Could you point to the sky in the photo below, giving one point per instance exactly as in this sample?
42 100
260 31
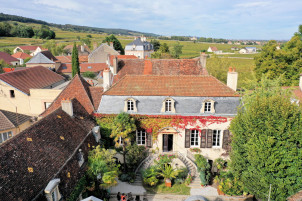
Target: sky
228 19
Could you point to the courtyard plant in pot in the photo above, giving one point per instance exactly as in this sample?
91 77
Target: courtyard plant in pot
168 173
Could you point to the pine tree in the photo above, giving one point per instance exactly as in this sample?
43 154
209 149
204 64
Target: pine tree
75 61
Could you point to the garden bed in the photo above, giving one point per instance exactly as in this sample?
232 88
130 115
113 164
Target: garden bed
177 189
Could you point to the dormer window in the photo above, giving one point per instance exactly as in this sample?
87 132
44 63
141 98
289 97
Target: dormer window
130 105
168 105
208 106
52 190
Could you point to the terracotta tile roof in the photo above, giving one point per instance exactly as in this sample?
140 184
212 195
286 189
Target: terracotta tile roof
93 67
159 67
53 141
21 55
11 119
64 59
295 197
121 57
7 58
214 48
8 69
68 59
81 90
29 47
171 85
31 78
297 92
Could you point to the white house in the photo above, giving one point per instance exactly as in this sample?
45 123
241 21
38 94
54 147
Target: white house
140 47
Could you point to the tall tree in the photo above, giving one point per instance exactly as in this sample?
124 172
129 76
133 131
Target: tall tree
116 43
267 142
156 44
75 61
177 50
124 124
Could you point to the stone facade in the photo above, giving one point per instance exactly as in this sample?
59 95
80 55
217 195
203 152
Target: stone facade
101 54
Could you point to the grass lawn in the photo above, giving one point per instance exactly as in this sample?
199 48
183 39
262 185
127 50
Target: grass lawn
178 189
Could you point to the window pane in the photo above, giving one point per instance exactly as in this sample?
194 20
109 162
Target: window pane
5 136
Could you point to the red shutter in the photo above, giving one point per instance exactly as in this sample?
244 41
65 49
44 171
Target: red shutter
203 140
187 138
209 138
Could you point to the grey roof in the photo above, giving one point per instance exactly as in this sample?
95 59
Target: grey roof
185 106
9 120
40 59
139 45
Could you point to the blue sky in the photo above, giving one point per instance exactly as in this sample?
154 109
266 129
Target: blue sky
230 19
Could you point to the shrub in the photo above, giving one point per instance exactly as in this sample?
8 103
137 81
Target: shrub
127 177
203 169
230 185
89 74
188 180
150 176
183 173
135 154
220 164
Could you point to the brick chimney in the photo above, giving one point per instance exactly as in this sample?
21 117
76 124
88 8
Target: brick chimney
203 59
232 78
106 79
115 65
67 106
300 82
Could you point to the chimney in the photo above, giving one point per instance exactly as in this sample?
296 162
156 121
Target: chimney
111 45
300 82
203 59
106 79
82 48
67 106
115 65
95 45
232 79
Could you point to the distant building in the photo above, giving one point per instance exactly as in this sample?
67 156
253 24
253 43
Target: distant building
251 49
8 59
32 49
140 47
243 51
214 50
21 56
234 48
45 59
83 50
101 53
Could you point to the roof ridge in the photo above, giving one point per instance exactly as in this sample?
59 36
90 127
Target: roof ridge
114 85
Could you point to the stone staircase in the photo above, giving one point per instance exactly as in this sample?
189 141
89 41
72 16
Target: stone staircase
144 165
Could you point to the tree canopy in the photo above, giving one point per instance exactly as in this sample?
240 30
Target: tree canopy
116 43
75 61
287 61
267 142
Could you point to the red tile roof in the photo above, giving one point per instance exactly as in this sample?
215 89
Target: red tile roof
159 67
92 67
80 89
21 55
29 47
214 48
171 85
121 57
297 92
31 78
68 59
7 58
51 153
8 69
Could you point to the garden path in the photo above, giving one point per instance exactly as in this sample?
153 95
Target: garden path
124 187
204 191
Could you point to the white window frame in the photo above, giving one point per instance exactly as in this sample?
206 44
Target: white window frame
126 104
168 106
130 105
217 140
139 137
194 134
8 133
207 106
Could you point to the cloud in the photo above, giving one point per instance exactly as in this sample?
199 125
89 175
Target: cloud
253 4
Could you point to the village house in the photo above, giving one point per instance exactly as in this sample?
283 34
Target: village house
243 51
140 48
8 59
214 50
101 53
83 50
12 123
205 102
29 91
21 56
96 68
45 161
251 50
31 49
45 59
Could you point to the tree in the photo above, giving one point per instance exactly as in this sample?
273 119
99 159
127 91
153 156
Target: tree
75 61
116 43
177 50
101 163
164 48
156 44
124 124
168 173
267 142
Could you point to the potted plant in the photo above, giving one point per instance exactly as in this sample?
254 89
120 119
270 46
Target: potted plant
168 173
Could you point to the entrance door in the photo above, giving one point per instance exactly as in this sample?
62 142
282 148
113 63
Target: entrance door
167 142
